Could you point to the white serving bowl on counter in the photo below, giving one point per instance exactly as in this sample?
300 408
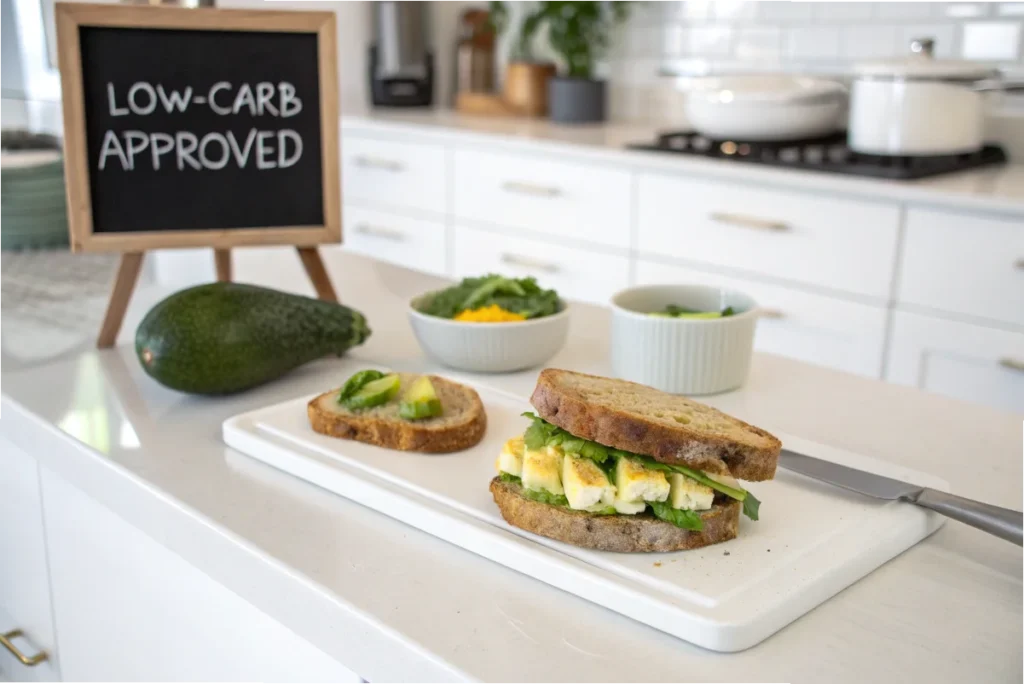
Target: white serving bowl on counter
489 347
681 355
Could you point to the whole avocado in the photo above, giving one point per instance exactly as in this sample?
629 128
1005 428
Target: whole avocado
228 337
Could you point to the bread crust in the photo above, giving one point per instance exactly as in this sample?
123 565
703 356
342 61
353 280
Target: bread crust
675 445
639 533
403 435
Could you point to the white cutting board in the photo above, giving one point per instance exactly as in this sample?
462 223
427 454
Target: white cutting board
811 542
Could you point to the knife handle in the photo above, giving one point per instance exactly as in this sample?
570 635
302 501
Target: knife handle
1002 522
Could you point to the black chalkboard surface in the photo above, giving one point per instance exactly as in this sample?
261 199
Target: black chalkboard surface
190 127
188 130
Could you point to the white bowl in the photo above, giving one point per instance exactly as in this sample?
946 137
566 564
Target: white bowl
680 355
490 347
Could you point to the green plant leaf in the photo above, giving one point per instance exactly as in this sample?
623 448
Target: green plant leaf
688 520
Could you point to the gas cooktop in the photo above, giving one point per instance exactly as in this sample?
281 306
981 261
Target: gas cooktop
830 154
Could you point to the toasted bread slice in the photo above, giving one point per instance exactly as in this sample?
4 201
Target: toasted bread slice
461 426
666 427
620 533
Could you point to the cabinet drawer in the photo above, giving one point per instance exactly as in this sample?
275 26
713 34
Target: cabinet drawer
844 335
409 242
960 360
24 577
579 201
399 174
842 244
965 264
576 273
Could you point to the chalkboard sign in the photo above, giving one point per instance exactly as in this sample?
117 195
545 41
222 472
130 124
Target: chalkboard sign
199 127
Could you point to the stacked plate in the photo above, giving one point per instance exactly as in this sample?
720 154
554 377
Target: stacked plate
33 208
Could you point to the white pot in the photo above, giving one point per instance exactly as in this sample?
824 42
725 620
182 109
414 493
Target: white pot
764 108
918 106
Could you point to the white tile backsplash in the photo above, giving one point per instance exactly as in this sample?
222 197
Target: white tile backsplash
868 42
784 10
702 37
812 43
989 40
757 43
735 10
713 41
843 11
903 10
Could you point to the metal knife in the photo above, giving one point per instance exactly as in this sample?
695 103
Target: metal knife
1002 522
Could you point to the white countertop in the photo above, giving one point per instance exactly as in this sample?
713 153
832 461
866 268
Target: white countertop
393 603
997 189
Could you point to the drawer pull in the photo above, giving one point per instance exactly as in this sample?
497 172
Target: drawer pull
748 221
1019 264
377 163
526 262
1012 364
380 231
770 313
531 189
27 661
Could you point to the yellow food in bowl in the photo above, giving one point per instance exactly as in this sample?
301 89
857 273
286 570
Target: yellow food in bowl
488 314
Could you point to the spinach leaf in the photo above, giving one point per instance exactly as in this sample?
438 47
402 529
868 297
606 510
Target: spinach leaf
523 296
688 520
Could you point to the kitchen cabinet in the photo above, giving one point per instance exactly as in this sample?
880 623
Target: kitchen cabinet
960 360
399 239
826 331
576 273
828 242
126 608
964 264
386 173
543 195
24 575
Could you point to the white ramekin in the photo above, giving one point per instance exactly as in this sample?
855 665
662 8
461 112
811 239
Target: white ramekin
490 347
679 355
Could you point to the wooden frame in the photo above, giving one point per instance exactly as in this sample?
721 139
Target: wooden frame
70 16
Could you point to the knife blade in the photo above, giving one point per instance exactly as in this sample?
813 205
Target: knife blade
855 480
1002 522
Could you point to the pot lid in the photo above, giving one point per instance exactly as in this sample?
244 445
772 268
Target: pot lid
764 89
922 65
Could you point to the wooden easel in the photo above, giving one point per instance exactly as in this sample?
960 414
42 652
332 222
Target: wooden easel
131 264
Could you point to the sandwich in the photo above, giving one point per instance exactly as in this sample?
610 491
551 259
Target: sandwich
617 466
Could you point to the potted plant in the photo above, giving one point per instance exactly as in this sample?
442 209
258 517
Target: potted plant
525 87
580 32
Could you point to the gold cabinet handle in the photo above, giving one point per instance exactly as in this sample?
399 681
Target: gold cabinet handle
1012 364
770 313
27 661
531 189
526 262
377 163
380 231
748 221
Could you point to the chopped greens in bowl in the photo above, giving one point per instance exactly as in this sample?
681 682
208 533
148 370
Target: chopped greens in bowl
520 298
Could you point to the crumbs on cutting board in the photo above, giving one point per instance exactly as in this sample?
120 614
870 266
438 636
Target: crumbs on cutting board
657 564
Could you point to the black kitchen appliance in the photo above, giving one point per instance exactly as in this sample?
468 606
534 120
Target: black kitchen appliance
829 154
401 67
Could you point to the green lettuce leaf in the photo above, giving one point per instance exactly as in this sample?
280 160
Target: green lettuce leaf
523 296
546 497
688 520
751 506
509 477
